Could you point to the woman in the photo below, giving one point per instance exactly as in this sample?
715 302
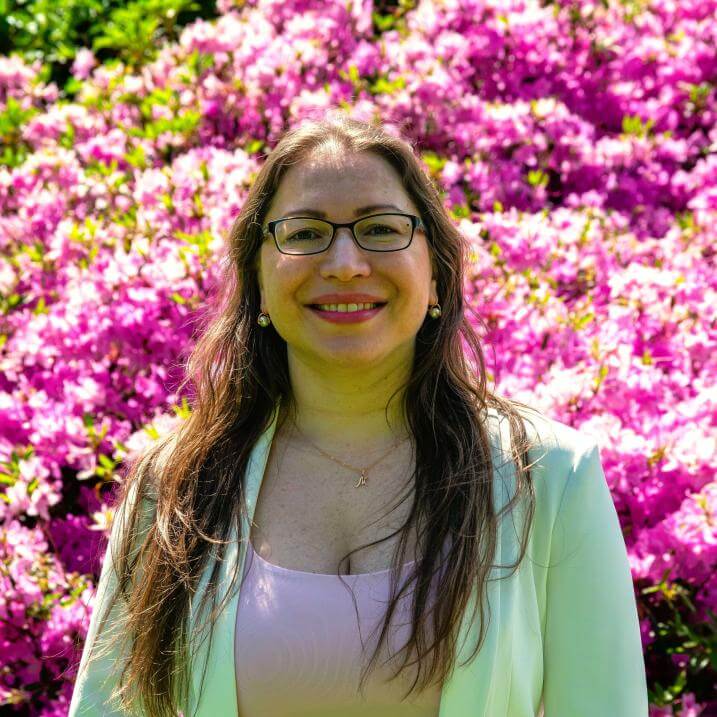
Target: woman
334 381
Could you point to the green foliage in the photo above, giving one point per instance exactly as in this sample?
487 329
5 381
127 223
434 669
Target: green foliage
698 95
196 64
633 125
136 157
134 31
390 15
10 470
255 145
49 30
54 30
387 87
536 177
12 149
695 641
184 411
96 437
181 120
434 162
198 244
185 124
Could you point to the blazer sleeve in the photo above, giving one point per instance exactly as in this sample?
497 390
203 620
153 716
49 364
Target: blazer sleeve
593 661
95 681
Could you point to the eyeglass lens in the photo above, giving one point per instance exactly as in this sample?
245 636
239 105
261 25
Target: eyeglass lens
382 232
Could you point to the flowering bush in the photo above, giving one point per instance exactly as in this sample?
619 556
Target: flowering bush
577 145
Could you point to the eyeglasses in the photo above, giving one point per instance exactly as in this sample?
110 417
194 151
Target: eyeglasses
378 232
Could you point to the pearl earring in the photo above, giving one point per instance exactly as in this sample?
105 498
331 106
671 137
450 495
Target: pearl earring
263 320
435 311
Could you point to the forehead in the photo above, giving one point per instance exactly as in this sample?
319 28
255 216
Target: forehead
339 185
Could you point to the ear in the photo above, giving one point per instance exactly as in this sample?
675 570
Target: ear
433 292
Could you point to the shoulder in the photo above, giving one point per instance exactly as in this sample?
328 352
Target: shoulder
551 441
555 450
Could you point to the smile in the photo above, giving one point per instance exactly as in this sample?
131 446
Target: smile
346 313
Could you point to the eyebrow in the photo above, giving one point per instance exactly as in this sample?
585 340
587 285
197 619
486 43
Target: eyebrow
307 211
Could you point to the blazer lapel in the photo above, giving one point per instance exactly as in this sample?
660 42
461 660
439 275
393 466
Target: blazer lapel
218 694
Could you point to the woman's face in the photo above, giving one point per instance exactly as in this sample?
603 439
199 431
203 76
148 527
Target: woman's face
290 283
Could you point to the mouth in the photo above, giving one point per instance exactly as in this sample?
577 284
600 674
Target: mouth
347 308
346 313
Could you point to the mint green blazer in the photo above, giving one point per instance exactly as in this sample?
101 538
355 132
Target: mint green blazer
562 641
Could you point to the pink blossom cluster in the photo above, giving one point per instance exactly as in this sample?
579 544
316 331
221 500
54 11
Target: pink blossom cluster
576 145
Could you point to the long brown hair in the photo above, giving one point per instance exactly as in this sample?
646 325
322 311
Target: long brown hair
188 484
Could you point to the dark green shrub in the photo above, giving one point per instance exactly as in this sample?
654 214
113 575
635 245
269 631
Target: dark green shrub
54 30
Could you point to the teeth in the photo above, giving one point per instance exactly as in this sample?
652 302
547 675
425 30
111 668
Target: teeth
346 307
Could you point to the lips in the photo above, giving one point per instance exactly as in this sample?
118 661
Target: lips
347 317
325 303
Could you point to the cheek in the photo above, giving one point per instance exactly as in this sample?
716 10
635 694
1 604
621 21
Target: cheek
413 280
283 284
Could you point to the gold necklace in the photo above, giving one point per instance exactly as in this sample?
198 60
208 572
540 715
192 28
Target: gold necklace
363 471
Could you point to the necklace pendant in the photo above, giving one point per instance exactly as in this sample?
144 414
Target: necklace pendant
361 481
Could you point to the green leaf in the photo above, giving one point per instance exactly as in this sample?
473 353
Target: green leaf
634 126
106 462
383 86
461 211
152 432
73 86
184 410
67 138
433 161
137 157
14 300
120 447
582 321
536 177
40 307
383 22
255 145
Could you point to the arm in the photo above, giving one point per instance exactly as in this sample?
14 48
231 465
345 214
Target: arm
593 662
94 684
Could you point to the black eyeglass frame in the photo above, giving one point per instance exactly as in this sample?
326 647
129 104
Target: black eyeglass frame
416 223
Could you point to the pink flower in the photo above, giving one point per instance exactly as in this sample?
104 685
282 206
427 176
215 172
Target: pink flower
84 62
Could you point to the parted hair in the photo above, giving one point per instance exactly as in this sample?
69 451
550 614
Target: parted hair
188 488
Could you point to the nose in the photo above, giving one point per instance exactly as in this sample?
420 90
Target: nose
345 258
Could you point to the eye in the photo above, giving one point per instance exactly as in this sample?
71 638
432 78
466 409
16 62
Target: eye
388 229
297 234
384 226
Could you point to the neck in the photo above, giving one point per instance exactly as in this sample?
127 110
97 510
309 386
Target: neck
347 412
